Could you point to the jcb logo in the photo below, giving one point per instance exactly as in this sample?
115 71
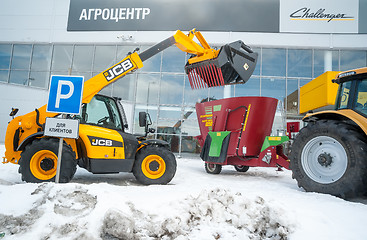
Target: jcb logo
118 69
101 142
104 142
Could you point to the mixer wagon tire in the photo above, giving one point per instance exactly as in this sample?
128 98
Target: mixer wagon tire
38 162
154 165
328 156
213 168
240 168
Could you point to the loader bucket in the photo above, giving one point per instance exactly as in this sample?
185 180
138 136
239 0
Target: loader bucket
235 63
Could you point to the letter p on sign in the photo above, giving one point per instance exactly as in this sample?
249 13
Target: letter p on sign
65 94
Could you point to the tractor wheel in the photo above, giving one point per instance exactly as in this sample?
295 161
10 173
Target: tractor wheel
328 156
213 168
38 162
240 168
154 165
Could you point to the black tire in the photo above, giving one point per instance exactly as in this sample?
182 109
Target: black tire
240 168
38 162
213 168
328 156
154 165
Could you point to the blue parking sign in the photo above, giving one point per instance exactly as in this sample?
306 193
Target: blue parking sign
65 94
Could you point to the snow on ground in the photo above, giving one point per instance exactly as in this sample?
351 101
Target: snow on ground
260 204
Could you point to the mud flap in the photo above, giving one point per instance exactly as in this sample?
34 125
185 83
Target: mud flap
216 147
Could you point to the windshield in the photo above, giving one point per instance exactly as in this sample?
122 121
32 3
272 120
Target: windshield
102 111
353 95
361 97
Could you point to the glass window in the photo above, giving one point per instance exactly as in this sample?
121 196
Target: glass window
217 92
171 89
273 87
192 96
152 110
147 88
361 104
83 56
86 75
41 58
170 113
273 62
319 61
343 97
21 56
62 56
173 60
123 51
292 96
4 74
153 64
124 87
104 57
190 144
299 63
102 111
258 64
39 79
251 88
190 126
5 54
352 59
19 77
106 91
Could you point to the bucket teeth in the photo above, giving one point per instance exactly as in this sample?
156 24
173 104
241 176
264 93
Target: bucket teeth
204 76
234 64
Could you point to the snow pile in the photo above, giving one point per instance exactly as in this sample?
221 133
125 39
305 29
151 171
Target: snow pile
54 214
215 214
70 212
259 204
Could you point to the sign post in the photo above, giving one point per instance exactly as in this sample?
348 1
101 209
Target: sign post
65 97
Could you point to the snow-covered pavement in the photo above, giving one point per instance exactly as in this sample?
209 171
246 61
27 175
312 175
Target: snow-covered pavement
260 204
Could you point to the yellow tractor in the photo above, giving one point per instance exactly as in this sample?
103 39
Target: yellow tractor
103 145
329 155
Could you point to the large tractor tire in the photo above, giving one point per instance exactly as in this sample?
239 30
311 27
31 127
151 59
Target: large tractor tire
154 165
329 156
38 162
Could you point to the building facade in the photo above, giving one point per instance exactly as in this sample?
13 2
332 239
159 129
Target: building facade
296 42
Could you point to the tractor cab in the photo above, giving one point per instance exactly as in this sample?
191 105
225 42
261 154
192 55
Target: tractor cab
352 93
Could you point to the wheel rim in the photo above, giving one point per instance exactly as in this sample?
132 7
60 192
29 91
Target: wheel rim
211 167
153 166
324 159
43 165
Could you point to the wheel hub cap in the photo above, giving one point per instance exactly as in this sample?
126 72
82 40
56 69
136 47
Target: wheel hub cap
324 159
154 166
47 164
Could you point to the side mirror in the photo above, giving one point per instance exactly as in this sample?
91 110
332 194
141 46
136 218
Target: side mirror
142 119
13 112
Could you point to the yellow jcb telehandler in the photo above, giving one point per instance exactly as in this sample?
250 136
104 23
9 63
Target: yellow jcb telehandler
103 145
329 155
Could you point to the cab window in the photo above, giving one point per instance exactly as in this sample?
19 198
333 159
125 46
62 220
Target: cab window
361 97
102 111
344 95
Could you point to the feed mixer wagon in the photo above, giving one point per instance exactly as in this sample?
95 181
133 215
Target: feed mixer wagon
235 131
